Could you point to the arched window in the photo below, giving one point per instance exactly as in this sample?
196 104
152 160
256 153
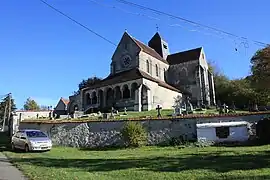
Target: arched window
147 66
156 70
164 70
126 92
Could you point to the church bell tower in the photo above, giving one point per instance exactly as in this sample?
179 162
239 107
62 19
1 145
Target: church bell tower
159 45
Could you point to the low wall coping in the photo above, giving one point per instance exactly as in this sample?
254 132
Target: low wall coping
192 116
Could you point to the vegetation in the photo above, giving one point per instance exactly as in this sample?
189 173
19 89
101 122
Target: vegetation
31 104
87 83
253 89
133 134
147 163
3 106
261 69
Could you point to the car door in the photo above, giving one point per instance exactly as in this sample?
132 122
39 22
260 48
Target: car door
23 140
16 139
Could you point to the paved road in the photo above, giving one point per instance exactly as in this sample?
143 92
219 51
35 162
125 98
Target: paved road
8 171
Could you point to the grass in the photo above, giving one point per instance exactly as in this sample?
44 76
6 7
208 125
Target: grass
146 163
151 113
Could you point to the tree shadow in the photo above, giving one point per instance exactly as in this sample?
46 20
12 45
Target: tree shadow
214 162
106 148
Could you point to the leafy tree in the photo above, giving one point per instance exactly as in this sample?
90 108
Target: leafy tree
31 104
3 105
237 91
260 69
87 83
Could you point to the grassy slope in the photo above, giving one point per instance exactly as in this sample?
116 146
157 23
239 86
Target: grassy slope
153 113
147 163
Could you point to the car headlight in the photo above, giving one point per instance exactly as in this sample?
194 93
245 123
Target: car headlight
33 142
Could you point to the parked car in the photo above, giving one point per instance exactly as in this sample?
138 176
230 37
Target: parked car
31 140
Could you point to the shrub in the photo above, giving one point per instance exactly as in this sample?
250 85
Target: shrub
134 135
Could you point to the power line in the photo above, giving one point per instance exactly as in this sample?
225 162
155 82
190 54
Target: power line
236 42
188 21
87 28
80 24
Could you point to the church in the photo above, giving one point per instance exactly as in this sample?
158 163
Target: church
144 76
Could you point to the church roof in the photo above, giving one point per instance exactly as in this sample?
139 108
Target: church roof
65 101
129 75
149 50
185 56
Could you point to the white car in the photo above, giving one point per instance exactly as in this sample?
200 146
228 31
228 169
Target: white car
31 140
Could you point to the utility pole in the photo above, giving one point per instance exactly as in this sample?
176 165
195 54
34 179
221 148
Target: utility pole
10 124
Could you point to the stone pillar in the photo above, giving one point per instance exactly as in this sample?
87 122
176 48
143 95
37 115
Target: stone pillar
207 88
213 90
104 98
199 86
149 99
81 105
138 99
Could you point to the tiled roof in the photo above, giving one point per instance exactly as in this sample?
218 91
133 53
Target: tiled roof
149 50
185 56
65 101
129 75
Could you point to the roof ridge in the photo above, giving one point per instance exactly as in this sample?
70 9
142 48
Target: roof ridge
188 50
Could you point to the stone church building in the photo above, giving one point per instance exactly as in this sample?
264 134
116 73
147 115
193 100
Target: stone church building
143 76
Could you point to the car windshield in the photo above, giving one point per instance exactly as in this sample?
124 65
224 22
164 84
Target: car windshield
35 134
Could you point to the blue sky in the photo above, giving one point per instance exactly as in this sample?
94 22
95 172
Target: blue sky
44 55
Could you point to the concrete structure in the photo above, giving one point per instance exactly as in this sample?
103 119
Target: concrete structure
21 115
61 107
223 132
143 76
107 133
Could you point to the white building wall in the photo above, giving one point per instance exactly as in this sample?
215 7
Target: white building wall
160 95
144 57
31 114
239 133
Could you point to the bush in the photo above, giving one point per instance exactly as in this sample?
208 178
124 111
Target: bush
134 134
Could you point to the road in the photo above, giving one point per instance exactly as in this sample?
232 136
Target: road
8 171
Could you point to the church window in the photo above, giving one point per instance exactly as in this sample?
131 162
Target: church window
148 66
126 92
202 56
164 73
156 70
125 45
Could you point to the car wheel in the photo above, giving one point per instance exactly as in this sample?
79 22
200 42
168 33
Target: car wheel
26 148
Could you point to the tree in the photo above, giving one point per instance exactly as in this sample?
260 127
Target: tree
31 104
260 69
87 83
237 91
3 105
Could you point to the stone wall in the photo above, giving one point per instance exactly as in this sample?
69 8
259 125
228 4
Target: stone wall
94 134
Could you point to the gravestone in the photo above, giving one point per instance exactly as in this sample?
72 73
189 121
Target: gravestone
189 107
158 108
112 110
105 116
125 111
177 111
222 109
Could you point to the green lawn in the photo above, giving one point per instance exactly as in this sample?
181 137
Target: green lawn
151 113
147 163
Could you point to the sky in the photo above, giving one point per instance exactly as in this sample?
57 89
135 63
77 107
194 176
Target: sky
45 56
